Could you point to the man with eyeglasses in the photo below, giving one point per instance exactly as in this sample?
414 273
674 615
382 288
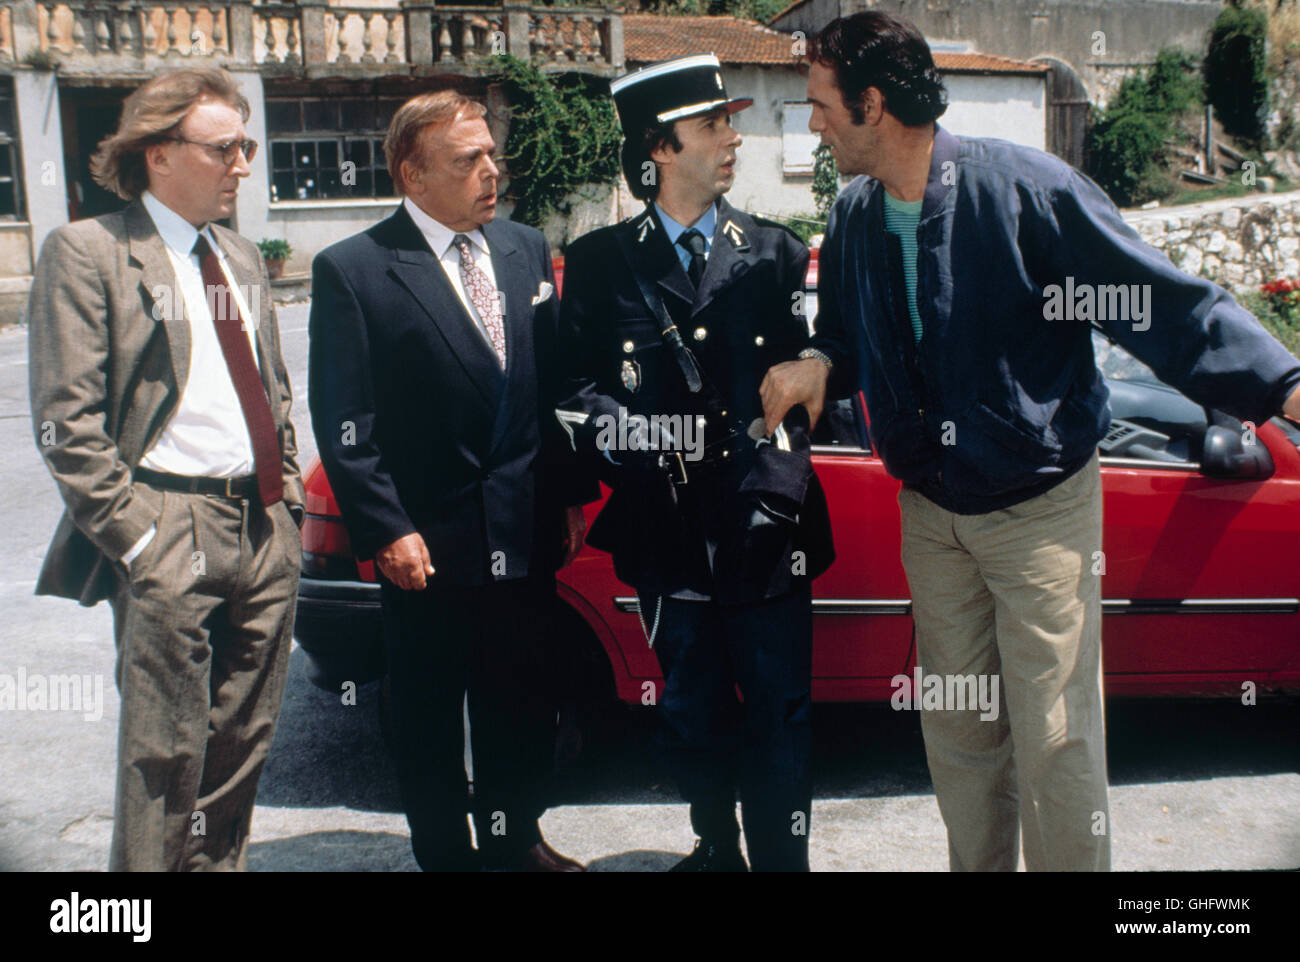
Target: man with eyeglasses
161 404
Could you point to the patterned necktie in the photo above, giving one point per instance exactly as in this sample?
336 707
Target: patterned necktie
484 295
267 460
693 241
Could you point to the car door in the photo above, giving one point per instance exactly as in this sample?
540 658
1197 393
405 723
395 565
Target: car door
862 625
1199 581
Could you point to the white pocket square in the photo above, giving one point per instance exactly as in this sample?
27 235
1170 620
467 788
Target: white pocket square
544 292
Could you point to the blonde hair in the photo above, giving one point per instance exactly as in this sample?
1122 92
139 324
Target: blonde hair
403 139
149 116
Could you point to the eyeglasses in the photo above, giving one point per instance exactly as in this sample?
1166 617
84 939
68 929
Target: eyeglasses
229 151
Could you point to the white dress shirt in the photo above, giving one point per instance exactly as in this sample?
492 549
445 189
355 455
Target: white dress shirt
206 435
439 237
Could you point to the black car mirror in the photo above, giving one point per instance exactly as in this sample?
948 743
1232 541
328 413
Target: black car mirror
1225 454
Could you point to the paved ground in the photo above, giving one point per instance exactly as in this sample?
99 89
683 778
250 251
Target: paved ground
1196 785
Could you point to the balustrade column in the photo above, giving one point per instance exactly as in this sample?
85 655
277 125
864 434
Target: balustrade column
312 26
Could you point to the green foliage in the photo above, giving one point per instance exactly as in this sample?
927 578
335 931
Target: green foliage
826 180
275 249
1278 311
1126 144
1236 71
761 10
806 226
563 134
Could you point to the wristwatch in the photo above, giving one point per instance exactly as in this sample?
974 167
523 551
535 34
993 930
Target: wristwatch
808 352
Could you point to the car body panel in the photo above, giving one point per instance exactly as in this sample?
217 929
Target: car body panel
1200 579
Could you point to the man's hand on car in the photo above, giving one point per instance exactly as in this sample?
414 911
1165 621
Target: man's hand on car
406 562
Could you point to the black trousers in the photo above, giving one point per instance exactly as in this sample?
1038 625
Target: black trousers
715 744
492 641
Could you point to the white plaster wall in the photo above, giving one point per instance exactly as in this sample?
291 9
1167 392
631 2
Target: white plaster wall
40 139
1012 108
761 187
312 225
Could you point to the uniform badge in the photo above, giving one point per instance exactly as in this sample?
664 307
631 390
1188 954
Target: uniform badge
735 235
631 375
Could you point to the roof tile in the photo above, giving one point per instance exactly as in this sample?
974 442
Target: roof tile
648 38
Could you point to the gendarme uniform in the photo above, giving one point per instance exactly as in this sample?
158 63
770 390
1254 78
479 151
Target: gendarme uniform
720 530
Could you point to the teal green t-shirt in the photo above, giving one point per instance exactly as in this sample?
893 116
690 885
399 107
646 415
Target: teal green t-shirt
901 218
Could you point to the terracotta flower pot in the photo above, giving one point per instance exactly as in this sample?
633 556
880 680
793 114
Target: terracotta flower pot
275 267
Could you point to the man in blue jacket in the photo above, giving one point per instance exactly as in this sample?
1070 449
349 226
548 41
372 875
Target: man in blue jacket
940 288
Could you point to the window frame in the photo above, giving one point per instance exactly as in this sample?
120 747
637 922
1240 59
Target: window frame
9 142
375 170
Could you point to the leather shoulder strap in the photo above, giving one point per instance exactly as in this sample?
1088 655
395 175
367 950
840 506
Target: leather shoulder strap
667 329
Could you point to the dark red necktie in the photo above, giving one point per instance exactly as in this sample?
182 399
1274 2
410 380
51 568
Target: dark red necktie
267 460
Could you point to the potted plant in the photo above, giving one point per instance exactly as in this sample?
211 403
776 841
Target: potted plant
275 251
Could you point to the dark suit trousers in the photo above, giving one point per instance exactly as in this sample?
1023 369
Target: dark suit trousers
204 625
491 641
715 744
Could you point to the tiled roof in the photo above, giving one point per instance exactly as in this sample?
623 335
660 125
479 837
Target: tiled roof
648 38
984 63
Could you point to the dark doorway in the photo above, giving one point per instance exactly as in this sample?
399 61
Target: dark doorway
89 114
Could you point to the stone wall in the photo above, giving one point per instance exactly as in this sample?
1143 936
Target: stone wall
1238 243
1103 40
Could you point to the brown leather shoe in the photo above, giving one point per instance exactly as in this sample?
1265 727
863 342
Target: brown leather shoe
542 858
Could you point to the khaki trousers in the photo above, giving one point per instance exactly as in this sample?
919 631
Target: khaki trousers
203 623
1014 593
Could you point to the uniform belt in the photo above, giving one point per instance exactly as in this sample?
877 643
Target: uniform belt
243 487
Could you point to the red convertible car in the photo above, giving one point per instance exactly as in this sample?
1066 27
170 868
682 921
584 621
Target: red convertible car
1200 567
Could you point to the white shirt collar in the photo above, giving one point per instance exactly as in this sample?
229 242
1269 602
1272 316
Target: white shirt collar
176 232
437 234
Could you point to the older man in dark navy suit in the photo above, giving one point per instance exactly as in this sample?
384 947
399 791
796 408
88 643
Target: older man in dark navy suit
431 350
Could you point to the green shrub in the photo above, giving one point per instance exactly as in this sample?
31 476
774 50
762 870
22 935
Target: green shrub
563 135
826 180
1126 145
1278 311
806 226
275 249
1236 70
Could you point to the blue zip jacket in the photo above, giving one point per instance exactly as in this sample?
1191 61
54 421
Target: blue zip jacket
1017 252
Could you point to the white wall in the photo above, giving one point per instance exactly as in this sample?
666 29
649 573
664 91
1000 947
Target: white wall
40 145
761 187
1013 108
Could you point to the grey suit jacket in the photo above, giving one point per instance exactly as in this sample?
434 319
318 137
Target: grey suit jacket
109 354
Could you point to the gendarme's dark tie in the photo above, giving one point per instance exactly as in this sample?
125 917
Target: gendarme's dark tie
267 459
693 241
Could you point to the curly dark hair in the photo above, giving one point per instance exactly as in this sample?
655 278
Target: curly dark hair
875 49
636 154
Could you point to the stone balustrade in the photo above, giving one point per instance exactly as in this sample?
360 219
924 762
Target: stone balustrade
100 36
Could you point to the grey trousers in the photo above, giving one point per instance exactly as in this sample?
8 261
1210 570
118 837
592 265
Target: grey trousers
1016 593
203 623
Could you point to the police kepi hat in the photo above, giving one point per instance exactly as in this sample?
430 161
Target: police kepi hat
670 90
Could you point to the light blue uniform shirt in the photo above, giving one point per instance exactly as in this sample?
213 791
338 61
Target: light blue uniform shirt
705 225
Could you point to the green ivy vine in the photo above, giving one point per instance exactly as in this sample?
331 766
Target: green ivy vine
563 134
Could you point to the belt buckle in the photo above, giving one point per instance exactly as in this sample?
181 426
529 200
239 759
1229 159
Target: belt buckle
229 493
